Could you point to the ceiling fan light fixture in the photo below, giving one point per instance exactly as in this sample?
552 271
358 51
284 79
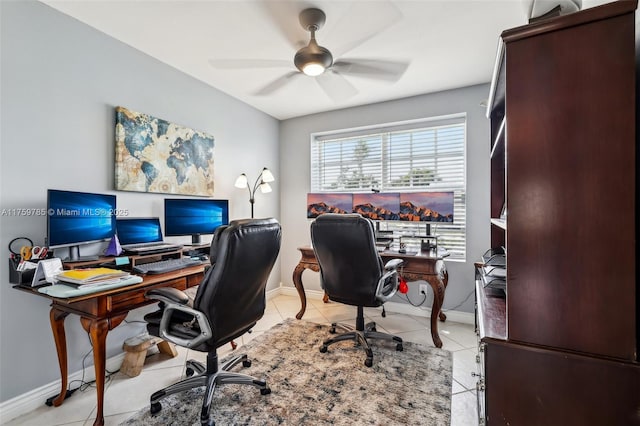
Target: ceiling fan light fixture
313 59
313 69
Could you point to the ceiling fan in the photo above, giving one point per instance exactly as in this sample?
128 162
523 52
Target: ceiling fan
316 61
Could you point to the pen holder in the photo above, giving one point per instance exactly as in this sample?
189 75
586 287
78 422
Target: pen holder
19 277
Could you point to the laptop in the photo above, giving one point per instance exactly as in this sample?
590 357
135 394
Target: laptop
142 236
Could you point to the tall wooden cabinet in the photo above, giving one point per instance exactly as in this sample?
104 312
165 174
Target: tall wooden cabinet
561 346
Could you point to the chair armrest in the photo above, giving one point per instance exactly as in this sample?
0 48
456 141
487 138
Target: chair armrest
387 286
393 264
205 329
176 300
168 295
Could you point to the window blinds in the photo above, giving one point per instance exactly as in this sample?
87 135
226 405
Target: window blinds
424 155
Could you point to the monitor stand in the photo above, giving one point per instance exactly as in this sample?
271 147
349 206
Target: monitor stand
74 255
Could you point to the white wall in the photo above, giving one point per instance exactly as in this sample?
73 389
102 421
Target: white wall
295 173
60 82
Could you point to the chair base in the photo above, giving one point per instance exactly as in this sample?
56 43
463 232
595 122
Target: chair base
210 376
359 334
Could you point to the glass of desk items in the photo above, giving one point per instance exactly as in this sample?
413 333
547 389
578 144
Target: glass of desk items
494 269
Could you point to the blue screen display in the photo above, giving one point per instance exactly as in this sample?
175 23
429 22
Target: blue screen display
79 217
139 230
194 216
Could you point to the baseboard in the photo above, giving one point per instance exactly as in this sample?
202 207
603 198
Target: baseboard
399 308
29 401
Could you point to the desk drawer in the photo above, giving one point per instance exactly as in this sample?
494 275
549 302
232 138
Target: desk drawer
135 298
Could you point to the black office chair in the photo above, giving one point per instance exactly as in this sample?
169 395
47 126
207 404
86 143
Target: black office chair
351 272
228 303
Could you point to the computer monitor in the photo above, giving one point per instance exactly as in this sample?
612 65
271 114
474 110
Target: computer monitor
77 218
194 217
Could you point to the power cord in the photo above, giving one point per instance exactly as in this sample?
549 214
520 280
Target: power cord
83 385
461 303
424 299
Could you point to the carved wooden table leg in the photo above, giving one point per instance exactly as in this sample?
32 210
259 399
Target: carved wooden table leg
57 318
438 297
297 281
98 330
445 281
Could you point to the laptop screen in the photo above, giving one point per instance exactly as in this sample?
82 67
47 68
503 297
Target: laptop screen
138 230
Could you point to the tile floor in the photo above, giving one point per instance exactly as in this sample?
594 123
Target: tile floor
124 395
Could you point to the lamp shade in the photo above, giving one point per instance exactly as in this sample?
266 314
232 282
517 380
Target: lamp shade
267 176
242 181
265 187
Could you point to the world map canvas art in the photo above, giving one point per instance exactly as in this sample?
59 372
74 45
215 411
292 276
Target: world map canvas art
154 155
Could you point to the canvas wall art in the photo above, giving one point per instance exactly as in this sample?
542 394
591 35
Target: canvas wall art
154 155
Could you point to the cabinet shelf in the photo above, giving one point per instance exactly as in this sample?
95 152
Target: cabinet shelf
500 223
492 312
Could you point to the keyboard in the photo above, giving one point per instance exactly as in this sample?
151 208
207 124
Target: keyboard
167 265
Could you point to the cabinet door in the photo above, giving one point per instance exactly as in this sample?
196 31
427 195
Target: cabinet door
533 386
571 188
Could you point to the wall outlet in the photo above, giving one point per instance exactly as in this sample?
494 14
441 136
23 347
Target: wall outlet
423 289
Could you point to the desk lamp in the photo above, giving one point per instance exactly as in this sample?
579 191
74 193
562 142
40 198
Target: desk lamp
262 181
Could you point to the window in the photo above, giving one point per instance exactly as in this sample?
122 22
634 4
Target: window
420 155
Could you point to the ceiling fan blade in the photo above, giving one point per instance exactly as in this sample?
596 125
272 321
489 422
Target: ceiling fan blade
249 63
285 15
336 86
373 68
373 18
277 84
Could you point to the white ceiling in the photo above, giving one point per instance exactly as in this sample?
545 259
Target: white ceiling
449 43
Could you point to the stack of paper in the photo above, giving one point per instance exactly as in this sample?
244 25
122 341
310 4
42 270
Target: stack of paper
82 278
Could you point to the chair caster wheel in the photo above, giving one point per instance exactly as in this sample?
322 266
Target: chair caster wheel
246 363
399 347
189 372
332 330
374 329
265 391
323 348
368 362
155 408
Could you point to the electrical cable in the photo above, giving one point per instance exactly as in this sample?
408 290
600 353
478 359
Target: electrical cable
424 299
461 303
83 385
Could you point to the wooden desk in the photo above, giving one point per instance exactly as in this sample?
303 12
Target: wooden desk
103 311
416 267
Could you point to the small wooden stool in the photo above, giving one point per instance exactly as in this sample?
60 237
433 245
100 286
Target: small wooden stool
136 351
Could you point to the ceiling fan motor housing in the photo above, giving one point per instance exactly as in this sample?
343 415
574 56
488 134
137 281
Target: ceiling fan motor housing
312 59
312 54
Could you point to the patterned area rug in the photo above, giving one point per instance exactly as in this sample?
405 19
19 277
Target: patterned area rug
412 387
